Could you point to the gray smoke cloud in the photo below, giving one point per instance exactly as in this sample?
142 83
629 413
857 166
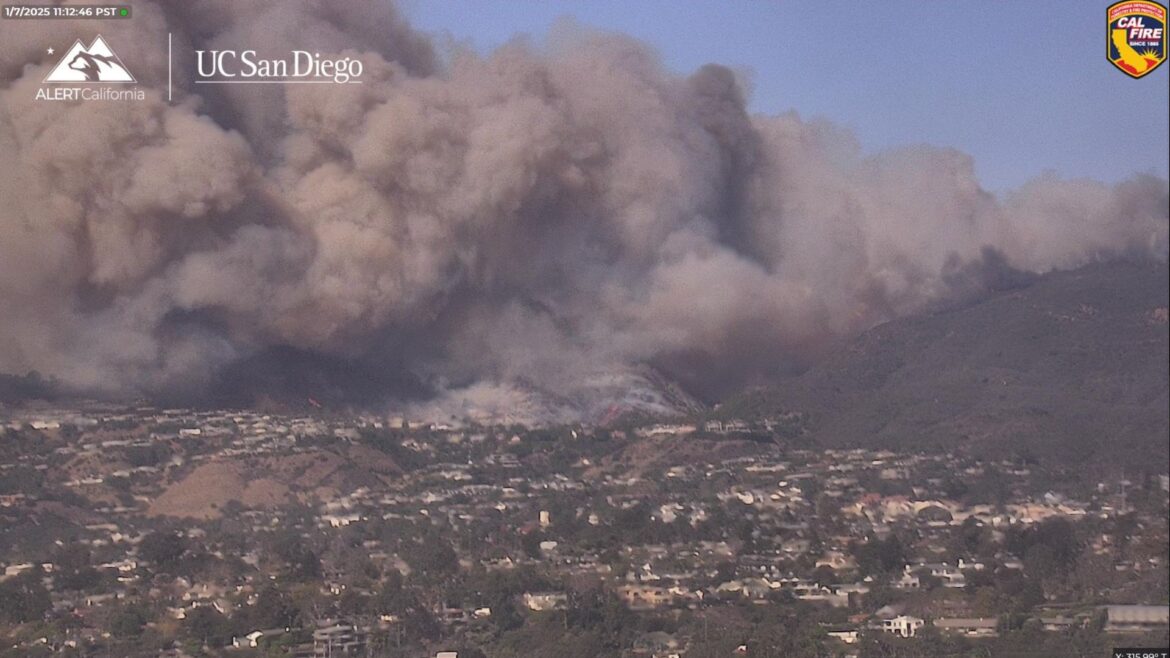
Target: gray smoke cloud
541 214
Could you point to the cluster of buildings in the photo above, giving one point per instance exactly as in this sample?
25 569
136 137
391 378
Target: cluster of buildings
743 523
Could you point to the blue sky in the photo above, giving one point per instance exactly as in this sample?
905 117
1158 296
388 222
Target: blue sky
1022 86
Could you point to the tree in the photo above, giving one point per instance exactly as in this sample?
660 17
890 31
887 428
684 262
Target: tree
780 633
84 579
972 539
879 555
127 622
273 609
602 612
73 570
435 558
353 602
303 563
205 624
825 575
72 557
530 542
162 549
420 624
24 598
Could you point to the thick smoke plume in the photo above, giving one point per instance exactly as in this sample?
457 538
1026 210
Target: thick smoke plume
542 215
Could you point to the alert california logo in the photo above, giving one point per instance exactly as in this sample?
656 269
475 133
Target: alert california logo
92 73
1136 36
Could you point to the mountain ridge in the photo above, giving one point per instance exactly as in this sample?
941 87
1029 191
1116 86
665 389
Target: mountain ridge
1070 367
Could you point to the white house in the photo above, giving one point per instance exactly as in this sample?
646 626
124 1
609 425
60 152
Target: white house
543 601
903 625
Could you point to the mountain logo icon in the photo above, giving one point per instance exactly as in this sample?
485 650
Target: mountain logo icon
97 63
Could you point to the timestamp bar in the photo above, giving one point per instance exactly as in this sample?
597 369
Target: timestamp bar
66 11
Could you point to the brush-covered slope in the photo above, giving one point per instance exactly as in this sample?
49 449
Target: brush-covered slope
1071 367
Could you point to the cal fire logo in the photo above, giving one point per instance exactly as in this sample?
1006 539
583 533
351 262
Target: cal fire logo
1137 36
98 63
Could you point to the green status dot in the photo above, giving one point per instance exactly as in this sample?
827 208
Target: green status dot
123 12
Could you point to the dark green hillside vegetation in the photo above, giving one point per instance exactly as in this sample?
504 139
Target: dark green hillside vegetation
1070 368
31 386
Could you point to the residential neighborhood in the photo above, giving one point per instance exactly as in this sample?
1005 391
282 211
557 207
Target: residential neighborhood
177 532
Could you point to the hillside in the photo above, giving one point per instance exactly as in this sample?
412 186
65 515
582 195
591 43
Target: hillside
270 481
17 389
1072 367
